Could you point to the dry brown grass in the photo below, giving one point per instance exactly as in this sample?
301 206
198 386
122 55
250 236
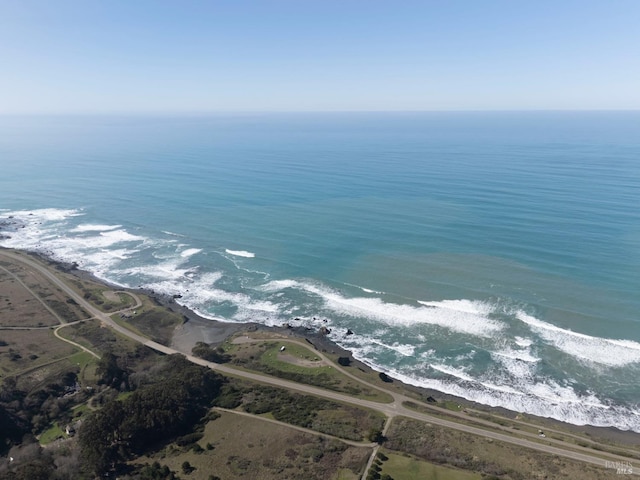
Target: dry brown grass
250 448
473 453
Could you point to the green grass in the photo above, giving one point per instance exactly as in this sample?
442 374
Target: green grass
402 467
345 474
82 359
264 357
270 358
51 434
244 447
123 323
81 410
124 395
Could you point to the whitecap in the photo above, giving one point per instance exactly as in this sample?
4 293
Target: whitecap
45 214
240 253
173 234
396 314
521 355
88 227
189 252
604 351
474 307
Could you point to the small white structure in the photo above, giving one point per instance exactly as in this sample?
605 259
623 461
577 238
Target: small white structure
282 348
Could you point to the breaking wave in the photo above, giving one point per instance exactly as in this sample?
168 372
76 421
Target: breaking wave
483 351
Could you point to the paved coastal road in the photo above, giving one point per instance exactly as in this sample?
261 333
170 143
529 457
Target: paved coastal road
390 409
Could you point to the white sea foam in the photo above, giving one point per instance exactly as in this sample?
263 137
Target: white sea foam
89 227
44 214
533 395
523 342
173 234
396 314
452 371
240 253
403 349
367 290
604 351
277 285
513 354
512 380
473 307
189 252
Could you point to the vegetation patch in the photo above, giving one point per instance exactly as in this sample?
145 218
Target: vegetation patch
23 351
267 358
157 323
407 467
306 411
469 452
236 447
162 411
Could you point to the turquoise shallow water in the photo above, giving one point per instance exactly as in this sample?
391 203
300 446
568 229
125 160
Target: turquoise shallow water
494 256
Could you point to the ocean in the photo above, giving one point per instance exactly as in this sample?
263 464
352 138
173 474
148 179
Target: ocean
493 256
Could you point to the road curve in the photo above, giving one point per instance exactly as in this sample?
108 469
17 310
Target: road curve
391 410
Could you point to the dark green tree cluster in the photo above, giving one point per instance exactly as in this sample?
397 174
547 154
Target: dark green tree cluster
11 430
155 471
29 462
155 413
33 409
288 407
110 372
207 352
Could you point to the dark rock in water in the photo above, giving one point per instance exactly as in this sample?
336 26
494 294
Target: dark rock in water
324 331
297 319
287 325
349 332
177 295
430 399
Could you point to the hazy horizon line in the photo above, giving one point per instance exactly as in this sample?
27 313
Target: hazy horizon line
266 112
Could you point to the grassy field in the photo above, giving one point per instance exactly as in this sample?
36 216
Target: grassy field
300 364
476 454
406 467
152 320
18 306
52 433
325 416
236 447
23 351
518 428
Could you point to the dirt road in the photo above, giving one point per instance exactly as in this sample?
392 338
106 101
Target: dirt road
393 409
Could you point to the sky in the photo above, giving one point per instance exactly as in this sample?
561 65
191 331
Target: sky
157 56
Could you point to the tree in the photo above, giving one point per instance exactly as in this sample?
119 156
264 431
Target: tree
187 468
156 472
375 435
101 439
154 413
110 372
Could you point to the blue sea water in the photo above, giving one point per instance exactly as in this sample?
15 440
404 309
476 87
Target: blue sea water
495 256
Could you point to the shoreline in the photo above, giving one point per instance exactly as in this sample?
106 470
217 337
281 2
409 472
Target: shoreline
198 328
